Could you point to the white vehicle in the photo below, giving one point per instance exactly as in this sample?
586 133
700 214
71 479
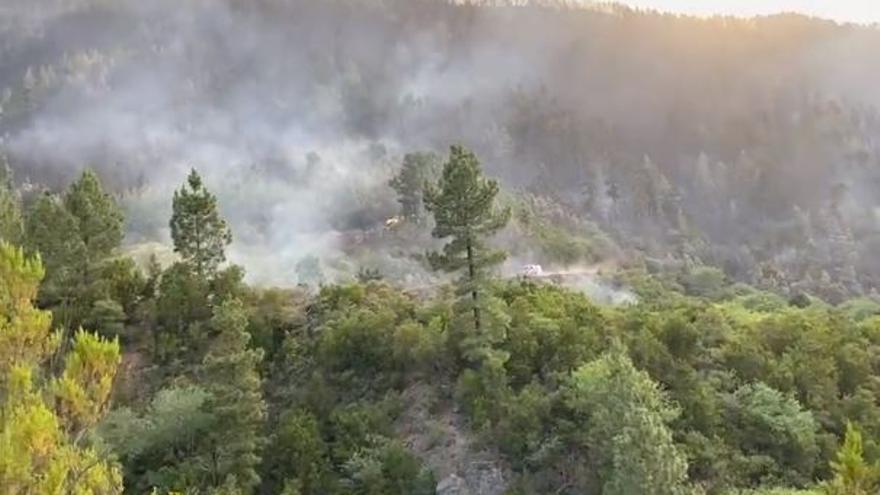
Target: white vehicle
532 271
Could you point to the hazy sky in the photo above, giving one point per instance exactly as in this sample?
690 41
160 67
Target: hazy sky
862 11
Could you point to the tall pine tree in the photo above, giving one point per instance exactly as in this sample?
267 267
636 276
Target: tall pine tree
99 219
52 232
199 233
230 375
463 205
100 225
76 235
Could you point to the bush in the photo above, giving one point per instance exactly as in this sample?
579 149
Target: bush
704 281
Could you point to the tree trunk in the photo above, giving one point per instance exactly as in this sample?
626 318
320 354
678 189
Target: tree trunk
472 275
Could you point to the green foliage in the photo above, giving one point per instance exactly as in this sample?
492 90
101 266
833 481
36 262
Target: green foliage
557 237
562 247
182 302
704 281
77 234
125 283
228 284
522 426
852 475
550 331
626 421
82 392
11 221
52 231
353 426
297 456
373 336
771 425
230 375
159 445
274 313
44 420
107 317
25 338
761 302
699 385
773 491
199 233
417 170
385 467
99 220
860 309
463 205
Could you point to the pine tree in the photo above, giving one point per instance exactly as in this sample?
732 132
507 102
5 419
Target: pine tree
24 330
199 233
852 475
463 205
43 448
52 232
11 223
183 300
230 375
99 225
75 235
298 456
99 219
409 183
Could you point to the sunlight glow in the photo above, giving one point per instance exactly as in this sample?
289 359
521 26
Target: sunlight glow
859 11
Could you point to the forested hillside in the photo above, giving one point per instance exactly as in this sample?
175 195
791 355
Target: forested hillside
746 144
277 247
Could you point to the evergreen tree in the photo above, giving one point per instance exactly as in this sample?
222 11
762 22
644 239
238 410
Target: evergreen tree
11 223
298 456
76 235
627 419
230 375
43 447
199 233
24 330
463 205
417 170
773 427
99 224
852 475
99 219
183 300
52 232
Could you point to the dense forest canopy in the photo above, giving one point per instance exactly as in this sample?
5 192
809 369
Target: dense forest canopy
355 247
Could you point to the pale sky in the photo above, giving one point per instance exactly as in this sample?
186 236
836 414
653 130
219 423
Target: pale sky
861 11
